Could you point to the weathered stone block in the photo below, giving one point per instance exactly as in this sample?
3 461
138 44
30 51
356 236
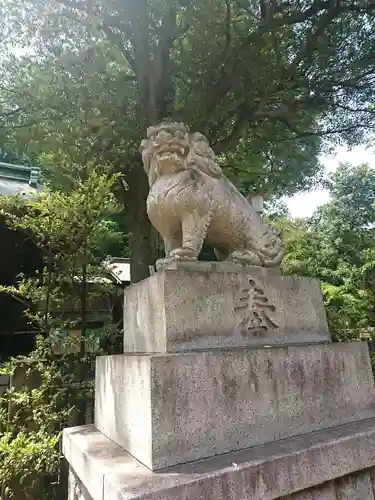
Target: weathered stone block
76 489
204 305
355 487
310 465
352 487
325 491
174 408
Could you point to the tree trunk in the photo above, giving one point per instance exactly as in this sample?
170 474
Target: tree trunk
143 243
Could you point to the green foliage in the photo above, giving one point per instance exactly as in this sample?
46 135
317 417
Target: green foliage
24 458
90 78
30 434
61 221
73 231
266 82
337 246
46 399
348 310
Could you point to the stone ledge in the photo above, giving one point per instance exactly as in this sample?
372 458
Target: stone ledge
169 409
267 472
203 305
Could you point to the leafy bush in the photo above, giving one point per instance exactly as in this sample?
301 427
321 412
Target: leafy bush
33 414
25 458
72 232
348 311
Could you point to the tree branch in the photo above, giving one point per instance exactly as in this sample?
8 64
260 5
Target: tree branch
238 130
246 115
139 20
230 73
322 133
297 105
168 33
14 127
108 24
362 9
263 9
12 113
227 28
116 39
354 110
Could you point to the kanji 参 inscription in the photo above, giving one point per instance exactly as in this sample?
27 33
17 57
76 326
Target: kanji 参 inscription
253 309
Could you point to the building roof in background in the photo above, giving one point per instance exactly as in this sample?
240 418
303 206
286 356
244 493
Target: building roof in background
118 268
19 179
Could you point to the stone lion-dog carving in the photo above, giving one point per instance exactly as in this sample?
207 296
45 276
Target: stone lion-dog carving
191 200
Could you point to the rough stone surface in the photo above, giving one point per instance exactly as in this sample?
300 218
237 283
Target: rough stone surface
123 402
175 408
191 200
76 489
202 305
325 491
353 487
267 472
356 486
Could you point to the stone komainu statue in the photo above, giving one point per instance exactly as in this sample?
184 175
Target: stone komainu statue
191 200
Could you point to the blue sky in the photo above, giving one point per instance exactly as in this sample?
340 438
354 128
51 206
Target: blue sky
304 204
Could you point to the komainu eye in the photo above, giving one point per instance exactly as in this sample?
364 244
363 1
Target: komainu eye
164 135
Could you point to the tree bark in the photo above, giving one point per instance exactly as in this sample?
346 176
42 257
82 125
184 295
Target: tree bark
143 242
153 78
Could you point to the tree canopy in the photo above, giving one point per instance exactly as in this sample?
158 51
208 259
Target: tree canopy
337 246
266 82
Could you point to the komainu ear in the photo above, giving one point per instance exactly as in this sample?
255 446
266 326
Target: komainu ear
146 151
203 157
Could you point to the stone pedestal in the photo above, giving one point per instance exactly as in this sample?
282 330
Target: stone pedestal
240 395
177 408
203 305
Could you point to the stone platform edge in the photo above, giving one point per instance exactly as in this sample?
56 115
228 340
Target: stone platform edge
218 305
269 471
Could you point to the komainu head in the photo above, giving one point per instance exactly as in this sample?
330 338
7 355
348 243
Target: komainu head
191 201
170 148
165 150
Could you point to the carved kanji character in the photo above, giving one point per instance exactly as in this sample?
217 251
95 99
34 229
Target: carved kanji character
254 306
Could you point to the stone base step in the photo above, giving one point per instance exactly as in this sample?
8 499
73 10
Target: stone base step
100 470
207 305
169 409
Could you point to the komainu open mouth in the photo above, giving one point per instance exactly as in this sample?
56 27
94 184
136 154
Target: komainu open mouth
167 148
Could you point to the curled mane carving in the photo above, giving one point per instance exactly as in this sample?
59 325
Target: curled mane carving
191 200
202 157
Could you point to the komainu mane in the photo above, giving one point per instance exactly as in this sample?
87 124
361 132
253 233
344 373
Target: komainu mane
191 200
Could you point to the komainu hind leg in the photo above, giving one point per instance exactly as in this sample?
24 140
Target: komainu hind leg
194 229
245 258
170 243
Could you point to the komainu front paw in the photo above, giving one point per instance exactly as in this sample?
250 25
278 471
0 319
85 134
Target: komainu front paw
245 258
162 263
176 255
183 253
